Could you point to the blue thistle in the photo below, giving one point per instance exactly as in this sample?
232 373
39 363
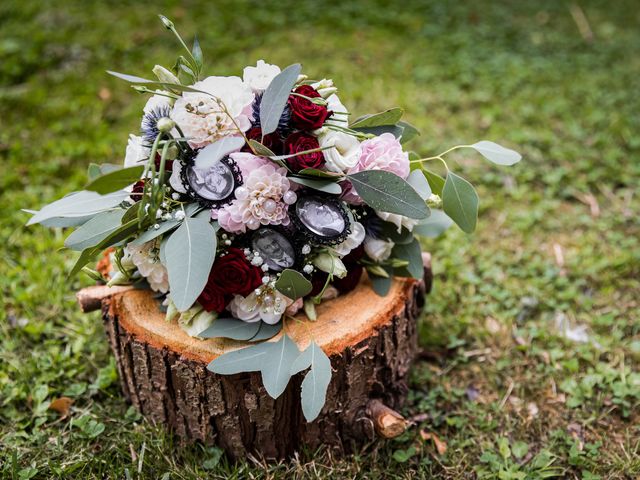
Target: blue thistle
285 118
149 125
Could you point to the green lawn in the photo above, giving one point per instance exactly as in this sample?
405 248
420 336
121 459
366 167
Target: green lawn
532 333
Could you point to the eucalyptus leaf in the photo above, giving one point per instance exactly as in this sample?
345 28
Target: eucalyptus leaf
190 253
65 222
433 226
266 331
214 152
316 381
327 186
420 183
409 132
496 153
249 359
388 117
231 328
436 182
94 170
310 309
412 253
387 192
78 204
274 98
314 172
381 285
394 130
115 180
152 232
154 84
460 202
260 149
276 365
293 284
95 230
196 53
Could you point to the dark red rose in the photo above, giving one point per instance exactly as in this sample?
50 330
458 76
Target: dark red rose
231 275
212 299
273 141
306 115
168 164
137 190
351 279
317 283
299 142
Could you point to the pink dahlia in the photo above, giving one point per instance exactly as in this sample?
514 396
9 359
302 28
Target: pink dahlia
263 199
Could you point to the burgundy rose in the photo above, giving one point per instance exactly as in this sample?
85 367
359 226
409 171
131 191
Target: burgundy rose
306 115
299 142
168 164
350 280
137 190
273 141
231 275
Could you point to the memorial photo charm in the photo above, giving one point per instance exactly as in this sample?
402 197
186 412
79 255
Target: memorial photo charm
324 220
211 184
274 248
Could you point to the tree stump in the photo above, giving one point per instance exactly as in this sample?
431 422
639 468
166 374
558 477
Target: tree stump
370 340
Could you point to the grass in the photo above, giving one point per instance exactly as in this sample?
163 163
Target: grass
531 337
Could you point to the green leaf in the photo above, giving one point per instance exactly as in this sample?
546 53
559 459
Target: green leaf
214 152
433 226
95 230
436 182
85 257
381 285
116 180
394 130
419 183
275 97
190 252
249 359
460 202
78 204
231 328
519 449
503 448
316 381
293 284
387 192
153 84
152 233
388 117
310 309
496 153
196 52
313 172
276 365
409 132
94 170
412 253
260 149
327 186
266 332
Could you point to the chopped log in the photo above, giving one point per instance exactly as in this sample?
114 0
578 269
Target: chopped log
370 340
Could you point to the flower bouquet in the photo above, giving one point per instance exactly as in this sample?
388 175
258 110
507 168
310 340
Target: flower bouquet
245 200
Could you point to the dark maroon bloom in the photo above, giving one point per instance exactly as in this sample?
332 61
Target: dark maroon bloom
231 275
168 164
300 142
306 115
137 190
273 141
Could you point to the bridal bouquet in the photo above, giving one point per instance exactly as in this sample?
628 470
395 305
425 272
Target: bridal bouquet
244 200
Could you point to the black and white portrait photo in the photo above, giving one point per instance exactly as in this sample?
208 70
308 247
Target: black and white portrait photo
214 183
321 217
274 248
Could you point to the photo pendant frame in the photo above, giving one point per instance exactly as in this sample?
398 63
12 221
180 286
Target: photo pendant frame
214 186
322 220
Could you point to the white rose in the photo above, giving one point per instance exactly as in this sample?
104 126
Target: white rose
345 151
378 250
136 152
398 220
330 264
260 76
353 241
340 115
203 120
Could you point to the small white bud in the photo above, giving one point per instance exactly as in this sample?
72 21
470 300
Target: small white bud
179 215
308 268
306 249
164 75
165 124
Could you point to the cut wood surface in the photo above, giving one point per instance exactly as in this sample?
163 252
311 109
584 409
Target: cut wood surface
370 340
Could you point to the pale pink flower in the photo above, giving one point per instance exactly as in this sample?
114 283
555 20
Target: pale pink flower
383 153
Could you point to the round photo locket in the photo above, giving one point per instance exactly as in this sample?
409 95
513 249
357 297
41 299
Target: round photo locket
274 248
322 219
211 184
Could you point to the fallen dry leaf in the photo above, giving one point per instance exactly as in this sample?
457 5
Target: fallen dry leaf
61 405
533 410
441 446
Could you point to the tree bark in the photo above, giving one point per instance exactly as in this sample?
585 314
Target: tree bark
370 340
